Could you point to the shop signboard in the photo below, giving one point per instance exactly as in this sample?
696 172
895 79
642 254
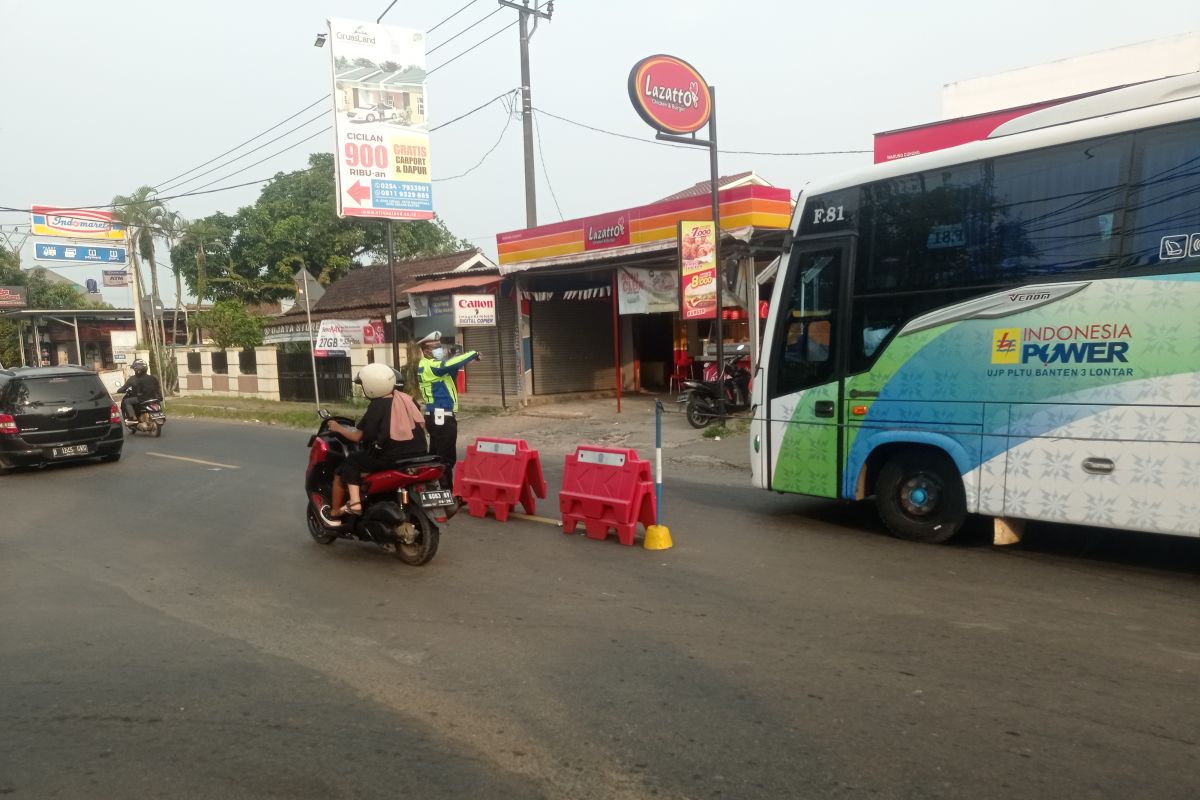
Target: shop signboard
380 121
83 253
114 277
698 269
76 223
670 95
336 336
606 230
647 291
14 297
430 305
474 310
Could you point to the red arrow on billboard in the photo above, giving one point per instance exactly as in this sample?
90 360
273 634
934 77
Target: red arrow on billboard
359 192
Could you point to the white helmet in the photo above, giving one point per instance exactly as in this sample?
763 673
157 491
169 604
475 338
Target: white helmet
377 380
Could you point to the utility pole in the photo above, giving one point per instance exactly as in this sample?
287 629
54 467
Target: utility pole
524 9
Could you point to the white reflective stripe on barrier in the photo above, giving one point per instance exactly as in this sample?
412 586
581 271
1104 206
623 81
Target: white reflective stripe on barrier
496 448
605 459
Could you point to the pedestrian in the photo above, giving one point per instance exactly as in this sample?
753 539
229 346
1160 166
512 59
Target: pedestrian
439 395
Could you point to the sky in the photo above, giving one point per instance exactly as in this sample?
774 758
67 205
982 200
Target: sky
104 97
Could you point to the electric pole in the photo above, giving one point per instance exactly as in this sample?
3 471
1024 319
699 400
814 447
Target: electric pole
524 9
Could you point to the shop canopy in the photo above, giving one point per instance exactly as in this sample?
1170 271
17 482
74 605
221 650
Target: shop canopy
450 284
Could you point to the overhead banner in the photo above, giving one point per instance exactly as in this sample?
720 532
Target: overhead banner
647 291
78 253
337 336
380 121
76 223
14 297
115 277
698 269
474 310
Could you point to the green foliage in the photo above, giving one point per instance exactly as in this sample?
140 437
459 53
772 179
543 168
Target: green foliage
252 255
228 325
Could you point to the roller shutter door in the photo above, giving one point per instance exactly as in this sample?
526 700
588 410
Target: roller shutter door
483 377
572 346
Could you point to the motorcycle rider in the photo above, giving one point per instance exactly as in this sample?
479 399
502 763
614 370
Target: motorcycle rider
391 429
141 386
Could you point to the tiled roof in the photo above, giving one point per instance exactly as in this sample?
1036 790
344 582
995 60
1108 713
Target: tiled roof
704 187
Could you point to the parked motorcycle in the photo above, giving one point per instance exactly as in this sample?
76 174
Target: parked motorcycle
700 397
401 507
149 417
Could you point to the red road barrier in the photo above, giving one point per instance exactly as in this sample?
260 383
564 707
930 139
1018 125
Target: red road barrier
606 489
498 474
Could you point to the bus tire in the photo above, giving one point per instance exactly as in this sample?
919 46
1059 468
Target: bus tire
920 496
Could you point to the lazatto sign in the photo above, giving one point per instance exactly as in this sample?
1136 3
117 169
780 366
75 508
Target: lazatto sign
75 223
669 94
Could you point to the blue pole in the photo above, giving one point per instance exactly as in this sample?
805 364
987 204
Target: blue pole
658 410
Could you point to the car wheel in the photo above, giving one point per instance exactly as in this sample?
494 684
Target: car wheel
920 496
370 117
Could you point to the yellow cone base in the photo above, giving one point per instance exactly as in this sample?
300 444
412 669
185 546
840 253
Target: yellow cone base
658 537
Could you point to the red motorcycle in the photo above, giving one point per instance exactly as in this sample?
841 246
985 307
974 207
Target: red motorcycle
401 507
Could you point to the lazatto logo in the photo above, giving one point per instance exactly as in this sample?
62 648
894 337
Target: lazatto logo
669 94
1095 343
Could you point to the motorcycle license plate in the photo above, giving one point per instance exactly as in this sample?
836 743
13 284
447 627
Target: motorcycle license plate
69 451
434 499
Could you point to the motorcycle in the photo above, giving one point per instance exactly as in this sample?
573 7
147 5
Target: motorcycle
149 417
401 507
701 396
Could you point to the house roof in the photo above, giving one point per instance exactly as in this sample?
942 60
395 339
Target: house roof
367 290
749 178
408 76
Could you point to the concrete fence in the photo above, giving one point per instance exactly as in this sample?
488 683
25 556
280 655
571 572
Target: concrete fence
197 375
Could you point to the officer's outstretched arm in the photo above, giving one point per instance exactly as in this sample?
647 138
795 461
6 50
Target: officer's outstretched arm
450 366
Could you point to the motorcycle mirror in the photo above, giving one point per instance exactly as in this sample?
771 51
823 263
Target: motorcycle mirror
324 413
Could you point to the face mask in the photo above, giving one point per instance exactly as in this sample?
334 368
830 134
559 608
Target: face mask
439 353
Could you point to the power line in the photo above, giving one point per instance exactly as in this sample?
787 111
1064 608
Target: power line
542 157
669 144
243 144
379 19
504 130
452 16
472 47
472 111
268 158
474 24
320 116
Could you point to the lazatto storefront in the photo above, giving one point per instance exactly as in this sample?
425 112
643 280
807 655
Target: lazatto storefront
599 298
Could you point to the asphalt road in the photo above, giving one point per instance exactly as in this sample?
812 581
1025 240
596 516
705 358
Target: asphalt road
168 629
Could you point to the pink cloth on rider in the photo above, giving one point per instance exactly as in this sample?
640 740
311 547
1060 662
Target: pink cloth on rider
405 417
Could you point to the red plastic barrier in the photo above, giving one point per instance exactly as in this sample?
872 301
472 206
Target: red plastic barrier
498 474
607 489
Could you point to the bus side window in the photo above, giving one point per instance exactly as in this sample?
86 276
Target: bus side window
807 323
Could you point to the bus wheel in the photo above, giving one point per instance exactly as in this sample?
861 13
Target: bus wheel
920 496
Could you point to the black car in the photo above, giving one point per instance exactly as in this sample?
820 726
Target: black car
51 414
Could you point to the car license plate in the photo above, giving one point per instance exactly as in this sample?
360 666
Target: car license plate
441 497
70 450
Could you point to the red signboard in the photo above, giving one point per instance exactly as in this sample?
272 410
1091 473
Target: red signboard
606 230
698 269
13 296
891 145
669 94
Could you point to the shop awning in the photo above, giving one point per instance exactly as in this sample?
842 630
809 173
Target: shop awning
448 284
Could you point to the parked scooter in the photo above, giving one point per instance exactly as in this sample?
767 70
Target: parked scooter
700 397
150 417
401 507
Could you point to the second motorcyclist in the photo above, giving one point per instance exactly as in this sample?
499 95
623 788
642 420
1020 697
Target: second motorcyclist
140 387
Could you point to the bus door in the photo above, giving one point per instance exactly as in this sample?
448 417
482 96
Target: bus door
804 382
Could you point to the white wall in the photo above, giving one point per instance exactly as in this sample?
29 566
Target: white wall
1133 63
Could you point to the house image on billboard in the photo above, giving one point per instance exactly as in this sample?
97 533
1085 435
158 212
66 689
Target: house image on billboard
390 92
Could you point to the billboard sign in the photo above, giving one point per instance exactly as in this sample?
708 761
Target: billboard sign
698 269
669 94
114 277
337 336
380 121
647 290
474 310
76 223
606 230
14 297
78 253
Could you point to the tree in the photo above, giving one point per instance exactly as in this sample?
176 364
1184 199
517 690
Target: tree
229 325
139 212
251 255
172 225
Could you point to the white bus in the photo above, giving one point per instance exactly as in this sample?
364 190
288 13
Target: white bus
1009 327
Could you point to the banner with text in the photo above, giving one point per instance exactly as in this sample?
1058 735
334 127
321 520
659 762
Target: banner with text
474 310
647 291
380 121
336 336
13 296
698 269
75 223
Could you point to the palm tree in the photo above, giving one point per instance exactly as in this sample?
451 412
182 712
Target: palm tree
200 232
172 226
139 212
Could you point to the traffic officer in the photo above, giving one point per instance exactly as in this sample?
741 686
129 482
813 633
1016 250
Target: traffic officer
439 396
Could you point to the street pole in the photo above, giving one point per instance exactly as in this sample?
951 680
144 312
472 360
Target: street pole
527 101
716 215
500 353
312 341
392 286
